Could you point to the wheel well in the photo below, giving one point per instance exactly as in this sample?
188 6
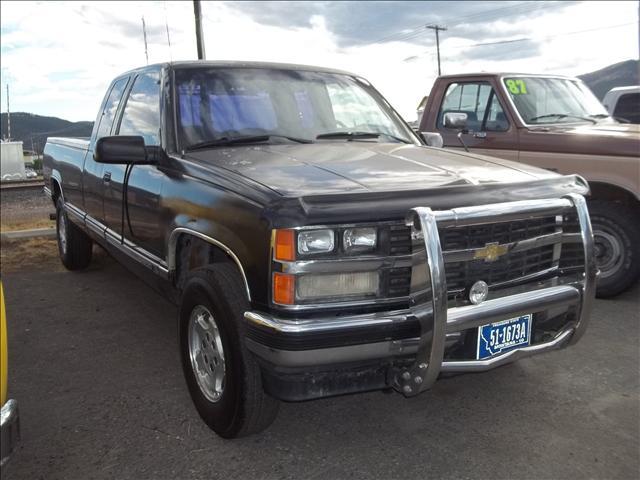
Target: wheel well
612 193
193 252
56 191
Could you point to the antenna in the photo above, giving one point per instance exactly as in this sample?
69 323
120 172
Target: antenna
166 24
8 117
144 32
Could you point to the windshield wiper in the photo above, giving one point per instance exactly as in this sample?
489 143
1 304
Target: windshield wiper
562 115
357 136
247 139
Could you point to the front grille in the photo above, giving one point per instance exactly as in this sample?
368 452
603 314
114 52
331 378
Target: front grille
508 268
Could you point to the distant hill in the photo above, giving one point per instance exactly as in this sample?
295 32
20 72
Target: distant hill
28 126
617 75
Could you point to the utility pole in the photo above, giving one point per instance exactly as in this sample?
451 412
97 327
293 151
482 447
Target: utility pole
8 117
144 33
199 38
437 29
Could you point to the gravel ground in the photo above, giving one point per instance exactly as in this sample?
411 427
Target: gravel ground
21 209
95 367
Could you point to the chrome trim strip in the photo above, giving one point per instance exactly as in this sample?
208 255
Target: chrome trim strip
458 318
433 319
470 316
465 366
75 212
47 192
350 264
9 429
466 255
282 325
114 239
343 304
173 243
502 212
389 349
591 269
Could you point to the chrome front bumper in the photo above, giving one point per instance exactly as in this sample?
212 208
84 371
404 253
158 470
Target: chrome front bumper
9 429
439 325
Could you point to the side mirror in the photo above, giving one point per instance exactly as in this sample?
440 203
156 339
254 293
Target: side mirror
455 120
433 139
122 150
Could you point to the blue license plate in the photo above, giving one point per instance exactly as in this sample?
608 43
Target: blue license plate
500 337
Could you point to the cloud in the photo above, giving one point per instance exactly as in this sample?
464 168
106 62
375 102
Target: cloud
59 57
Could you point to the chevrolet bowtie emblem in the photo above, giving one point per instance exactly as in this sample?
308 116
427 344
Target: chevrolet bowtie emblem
491 252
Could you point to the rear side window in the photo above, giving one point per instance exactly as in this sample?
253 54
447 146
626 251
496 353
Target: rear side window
141 114
479 102
110 108
628 107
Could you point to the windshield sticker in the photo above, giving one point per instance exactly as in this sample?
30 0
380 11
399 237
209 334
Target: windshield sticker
516 87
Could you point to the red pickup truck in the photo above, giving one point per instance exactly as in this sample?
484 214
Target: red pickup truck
556 123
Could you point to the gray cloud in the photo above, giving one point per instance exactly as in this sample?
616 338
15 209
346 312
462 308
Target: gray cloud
359 23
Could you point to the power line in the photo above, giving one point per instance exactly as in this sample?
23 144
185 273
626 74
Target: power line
523 7
523 39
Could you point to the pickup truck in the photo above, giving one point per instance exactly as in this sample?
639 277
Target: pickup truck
313 243
556 123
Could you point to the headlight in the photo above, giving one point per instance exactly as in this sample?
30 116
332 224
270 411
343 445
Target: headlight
359 239
311 287
316 241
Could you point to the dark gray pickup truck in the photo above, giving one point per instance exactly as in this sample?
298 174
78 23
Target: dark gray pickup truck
314 244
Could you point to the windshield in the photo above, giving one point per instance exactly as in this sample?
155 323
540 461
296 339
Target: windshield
553 100
281 105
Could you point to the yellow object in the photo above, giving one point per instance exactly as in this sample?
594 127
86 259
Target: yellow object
4 355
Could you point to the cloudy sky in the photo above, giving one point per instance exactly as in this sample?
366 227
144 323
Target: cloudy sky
59 57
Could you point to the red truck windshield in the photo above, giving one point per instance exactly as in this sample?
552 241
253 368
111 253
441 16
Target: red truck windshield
542 100
216 103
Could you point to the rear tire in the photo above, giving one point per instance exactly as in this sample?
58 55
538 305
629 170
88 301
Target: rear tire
74 246
212 338
617 246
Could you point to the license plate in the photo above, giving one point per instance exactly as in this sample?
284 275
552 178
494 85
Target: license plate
500 337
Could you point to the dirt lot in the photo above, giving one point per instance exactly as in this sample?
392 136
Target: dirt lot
24 209
95 367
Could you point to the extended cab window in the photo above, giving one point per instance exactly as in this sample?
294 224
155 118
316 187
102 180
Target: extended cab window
110 108
141 114
479 102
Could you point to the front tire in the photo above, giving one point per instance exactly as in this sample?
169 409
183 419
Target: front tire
616 236
74 246
223 378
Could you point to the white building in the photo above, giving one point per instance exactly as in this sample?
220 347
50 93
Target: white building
11 161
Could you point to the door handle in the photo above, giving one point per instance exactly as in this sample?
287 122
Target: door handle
106 177
480 134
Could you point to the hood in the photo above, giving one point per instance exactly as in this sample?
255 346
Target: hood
608 129
604 138
359 166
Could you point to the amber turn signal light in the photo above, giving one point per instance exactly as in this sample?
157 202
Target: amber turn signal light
285 248
283 288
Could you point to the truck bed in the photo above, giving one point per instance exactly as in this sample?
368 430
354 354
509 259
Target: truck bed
81 143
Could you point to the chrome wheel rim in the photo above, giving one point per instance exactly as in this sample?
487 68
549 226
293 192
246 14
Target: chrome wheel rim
62 233
608 252
206 353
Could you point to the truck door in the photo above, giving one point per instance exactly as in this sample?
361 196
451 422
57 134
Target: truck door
140 116
491 131
92 180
